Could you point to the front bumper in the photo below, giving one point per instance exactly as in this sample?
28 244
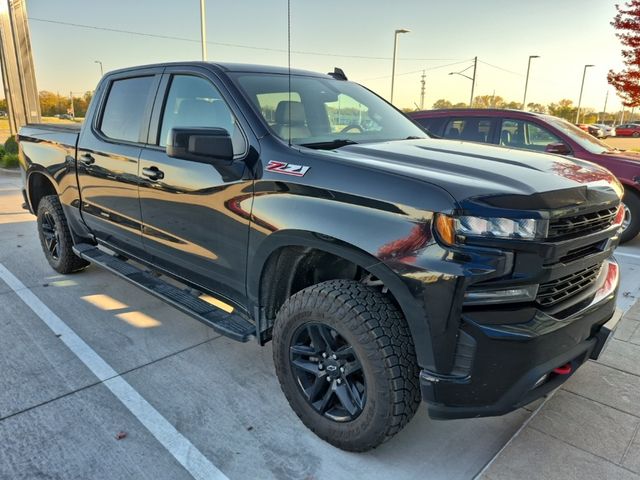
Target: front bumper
510 365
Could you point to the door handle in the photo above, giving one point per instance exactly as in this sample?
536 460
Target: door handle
87 159
154 173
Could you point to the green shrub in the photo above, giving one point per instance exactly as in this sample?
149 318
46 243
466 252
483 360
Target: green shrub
11 146
9 160
2 152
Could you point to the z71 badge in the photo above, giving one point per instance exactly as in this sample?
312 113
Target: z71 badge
287 168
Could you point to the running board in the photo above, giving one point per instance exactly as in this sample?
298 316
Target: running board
231 325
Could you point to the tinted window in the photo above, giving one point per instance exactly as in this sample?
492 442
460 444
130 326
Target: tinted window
472 129
196 102
527 135
125 108
432 125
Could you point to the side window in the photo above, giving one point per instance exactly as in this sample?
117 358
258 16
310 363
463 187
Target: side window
125 108
527 135
196 102
472 129
431 125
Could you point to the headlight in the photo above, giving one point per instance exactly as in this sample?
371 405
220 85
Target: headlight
453 230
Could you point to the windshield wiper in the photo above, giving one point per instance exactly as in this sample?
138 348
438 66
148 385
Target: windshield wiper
329 145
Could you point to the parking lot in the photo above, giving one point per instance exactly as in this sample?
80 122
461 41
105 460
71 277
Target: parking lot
195 396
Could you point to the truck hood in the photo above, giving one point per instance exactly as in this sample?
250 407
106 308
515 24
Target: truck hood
501 177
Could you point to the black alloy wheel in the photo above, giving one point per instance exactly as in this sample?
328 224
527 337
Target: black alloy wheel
328 371
51 235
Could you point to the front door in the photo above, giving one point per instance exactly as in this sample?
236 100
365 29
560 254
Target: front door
196 216
108 155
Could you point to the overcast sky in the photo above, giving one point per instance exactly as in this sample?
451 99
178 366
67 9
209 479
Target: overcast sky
567 34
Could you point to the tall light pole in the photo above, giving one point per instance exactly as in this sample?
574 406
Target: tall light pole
584 74
203 31
395 53
604 110
526 82
101 70
473 78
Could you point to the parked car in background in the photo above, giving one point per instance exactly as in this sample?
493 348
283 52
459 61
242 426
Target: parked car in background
541 133
592 129
607 130
628 130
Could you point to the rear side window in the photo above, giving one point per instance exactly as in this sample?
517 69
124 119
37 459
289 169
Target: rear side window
432 125
125 108
472 129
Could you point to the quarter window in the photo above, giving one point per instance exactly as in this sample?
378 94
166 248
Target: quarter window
125 108
196 102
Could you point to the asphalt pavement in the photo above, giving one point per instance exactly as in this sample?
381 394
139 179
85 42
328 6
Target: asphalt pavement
100 380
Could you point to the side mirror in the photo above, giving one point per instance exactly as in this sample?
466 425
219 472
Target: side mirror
204 145
558 148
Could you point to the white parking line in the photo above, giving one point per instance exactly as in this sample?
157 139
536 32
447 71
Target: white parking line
623 254
182 449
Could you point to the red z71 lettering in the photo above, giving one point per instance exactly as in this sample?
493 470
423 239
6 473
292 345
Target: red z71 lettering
287 168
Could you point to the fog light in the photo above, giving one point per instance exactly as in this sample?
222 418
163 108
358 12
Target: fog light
502 295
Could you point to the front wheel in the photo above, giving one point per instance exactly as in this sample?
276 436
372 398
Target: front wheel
631 224
55 237
346 362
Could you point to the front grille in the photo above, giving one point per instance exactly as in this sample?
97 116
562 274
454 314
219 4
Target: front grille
561 288
582 224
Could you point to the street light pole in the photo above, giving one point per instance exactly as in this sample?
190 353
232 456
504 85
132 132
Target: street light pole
203 31
395 53
473 80
101 70
604 110
526 82
584 74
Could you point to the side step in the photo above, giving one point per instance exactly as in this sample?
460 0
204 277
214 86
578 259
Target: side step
229 324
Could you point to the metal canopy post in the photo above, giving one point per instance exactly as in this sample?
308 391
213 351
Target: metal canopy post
16 60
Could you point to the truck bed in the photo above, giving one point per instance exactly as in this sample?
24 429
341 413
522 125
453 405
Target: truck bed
61 134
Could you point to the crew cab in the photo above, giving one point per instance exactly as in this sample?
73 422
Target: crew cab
300 208
541 133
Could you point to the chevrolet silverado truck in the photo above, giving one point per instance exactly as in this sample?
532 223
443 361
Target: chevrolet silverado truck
303 209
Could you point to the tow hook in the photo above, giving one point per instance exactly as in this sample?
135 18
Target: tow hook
563 370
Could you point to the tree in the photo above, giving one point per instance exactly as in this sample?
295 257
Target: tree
513 105
488 101
536 107
442 103
563 109
627 25
460 105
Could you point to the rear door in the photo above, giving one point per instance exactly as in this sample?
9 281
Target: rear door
108 153
196 215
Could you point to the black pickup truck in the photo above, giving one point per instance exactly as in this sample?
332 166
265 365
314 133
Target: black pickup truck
302 208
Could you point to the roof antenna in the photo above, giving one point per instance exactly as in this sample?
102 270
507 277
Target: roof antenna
289 62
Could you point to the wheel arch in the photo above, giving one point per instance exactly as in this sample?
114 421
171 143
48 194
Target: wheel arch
39 184
271 259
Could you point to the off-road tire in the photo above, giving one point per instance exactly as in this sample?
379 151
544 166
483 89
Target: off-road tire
632 200
378 332
64 261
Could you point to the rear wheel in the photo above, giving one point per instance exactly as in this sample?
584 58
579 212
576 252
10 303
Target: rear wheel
55 237
346 362
631 224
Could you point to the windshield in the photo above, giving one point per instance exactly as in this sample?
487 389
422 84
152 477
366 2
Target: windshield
584 139
323 112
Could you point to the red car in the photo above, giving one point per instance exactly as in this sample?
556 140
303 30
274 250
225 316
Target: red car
543 133
628 130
